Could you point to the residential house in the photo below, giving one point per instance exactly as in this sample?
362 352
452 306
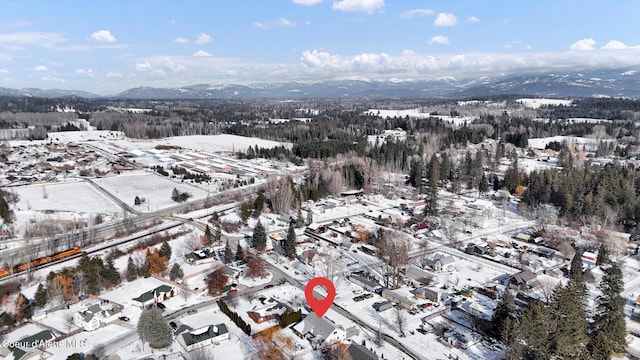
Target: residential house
558 272
18 353
308 255
524 280
461 338
202 256
360 352
444 263
195 339
400 299
96 315
316 228
267 313
366 284
154 296
321 330
419 277
589 259
431 293
29 348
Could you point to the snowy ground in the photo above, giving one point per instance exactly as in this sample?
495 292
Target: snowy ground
156 189
212 143
537 103
61 201
590 144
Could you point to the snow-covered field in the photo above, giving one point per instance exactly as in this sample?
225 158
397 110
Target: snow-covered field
210 143
65 201
154 188
76 196
589 143
412 113
537 103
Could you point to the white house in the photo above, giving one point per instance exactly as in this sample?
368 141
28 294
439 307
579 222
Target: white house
96 315
319 329
444 263
157 295
205 336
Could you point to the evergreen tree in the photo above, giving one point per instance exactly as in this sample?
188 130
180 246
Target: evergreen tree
431 204
576 266
165 250
534 328
505 310
5 212
239 252
207 235
569 324
416 173
40 299
290 243
610 318
603 255
228 255
483 187
110 273
176 272
309 216
598 346
258 204
132 271
218 234
259 237
153 328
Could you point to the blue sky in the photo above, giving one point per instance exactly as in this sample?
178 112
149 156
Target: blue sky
109 46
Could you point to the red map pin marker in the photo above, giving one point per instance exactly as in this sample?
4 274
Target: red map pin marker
320 306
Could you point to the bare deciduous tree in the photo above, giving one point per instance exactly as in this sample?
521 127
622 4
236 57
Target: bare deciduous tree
394 250
400 320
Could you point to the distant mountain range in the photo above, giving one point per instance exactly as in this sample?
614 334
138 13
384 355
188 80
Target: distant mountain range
600 82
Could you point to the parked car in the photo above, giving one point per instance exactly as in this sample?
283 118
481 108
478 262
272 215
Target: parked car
161 306
232 292
173 325
268 286
192 311
123 318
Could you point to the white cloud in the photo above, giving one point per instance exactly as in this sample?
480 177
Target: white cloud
416 13
203 39
180 40
114 74
40 68
444 19
408 52
53 79
88 72
307 2
275 23
584 44
103 36
439 39
473 19
4 71
614 45
201 53
368 6
33 38
145 66
508 46
307 23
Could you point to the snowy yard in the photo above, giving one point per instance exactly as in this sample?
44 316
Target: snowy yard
154 188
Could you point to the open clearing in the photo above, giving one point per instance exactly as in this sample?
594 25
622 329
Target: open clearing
154 188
